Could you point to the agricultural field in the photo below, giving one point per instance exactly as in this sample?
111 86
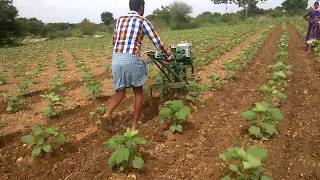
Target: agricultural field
252 114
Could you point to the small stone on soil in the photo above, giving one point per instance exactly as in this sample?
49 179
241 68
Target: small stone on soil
190 156
168 135
19 160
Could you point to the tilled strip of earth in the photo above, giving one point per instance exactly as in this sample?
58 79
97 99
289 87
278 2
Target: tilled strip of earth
214 127
295 153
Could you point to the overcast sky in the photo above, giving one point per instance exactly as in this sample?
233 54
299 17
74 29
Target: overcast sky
74 11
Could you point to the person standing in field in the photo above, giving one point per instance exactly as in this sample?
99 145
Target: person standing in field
313 18
128 70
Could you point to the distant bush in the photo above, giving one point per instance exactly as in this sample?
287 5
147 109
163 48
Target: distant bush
77 33
179 16
159 24
60 34
87 27
189 25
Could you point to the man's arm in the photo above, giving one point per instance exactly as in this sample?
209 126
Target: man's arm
148 29
115 32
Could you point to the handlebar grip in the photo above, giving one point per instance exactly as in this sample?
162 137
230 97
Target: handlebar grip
155 55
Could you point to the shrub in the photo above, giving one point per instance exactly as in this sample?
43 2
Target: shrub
125 149
41 139
176 112
245 165
262 119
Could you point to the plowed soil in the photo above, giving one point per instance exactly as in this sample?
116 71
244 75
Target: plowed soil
295 154
213 127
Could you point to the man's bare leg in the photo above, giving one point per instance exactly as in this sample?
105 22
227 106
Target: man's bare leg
114 103
138 94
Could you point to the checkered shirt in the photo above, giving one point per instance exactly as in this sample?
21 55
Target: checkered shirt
129 32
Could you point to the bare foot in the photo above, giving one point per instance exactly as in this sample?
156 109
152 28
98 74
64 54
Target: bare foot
134 126
106 117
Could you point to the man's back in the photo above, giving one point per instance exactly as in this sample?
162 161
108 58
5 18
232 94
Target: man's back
129 32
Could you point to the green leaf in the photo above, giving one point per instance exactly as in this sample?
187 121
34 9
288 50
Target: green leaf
249 115
265 89
266 178
183 113
276 114
176 127
279 74
9 108
240 153
225 156
52 130
177 105
138 163
255 130
114 142
262 106
37 130
140 141
130 144
233 168
226 178
269 128
53 97
28 139
60 138
111 144
40 141
233 153
165 113
251 163
46 148
100 110
258 153
36 151
281 96
121 155
130 133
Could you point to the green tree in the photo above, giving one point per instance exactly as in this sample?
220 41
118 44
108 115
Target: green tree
179 15
209 17
21 26
8 13
36 27
107 18
30 26
294 5
245 4
87 27
163 13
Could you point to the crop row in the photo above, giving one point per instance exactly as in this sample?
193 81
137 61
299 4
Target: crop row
263 118
220 49
245 57
16 101
94 87
234 65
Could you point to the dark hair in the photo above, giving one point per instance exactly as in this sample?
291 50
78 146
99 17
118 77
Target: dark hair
136 4
316 3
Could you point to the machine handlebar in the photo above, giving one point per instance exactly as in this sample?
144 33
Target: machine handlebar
154 55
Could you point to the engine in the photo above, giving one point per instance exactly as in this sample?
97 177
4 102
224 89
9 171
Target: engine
182 53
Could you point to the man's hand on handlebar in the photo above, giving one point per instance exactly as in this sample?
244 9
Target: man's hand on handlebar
169 57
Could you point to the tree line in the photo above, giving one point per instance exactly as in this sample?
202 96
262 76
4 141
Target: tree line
174 16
